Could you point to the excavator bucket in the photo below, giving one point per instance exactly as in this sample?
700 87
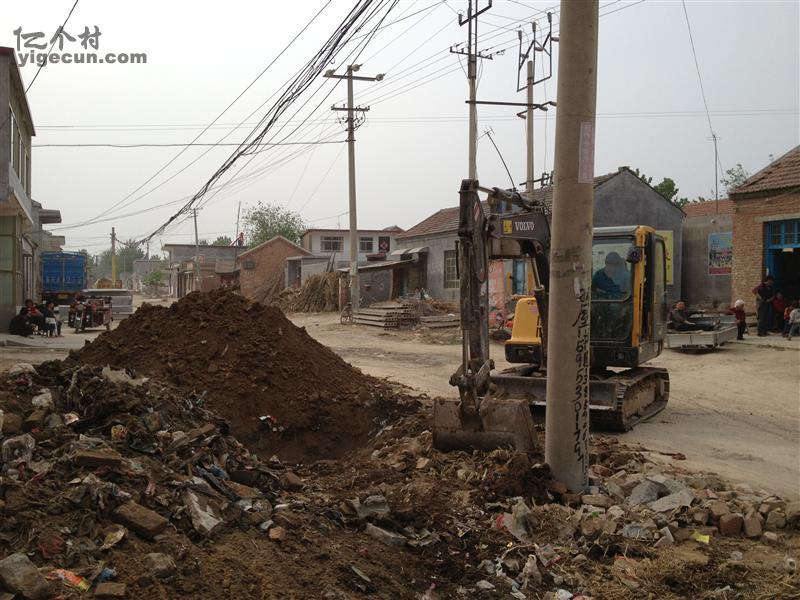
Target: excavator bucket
497 423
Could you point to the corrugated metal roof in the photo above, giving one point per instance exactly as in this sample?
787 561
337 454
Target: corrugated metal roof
780 174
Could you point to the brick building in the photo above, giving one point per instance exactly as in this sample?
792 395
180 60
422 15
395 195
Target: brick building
707 250
266 262
766 229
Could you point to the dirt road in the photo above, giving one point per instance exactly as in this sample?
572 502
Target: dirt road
735 410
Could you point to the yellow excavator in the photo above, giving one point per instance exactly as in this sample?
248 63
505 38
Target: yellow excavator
628 326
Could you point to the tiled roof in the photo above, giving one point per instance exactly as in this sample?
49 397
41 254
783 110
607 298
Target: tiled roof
708 208
446 219
780 174
272 240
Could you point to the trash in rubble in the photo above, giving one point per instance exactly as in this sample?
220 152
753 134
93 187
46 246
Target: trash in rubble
113 538
119 433
21 368
161 566
71 579
121 376
520 522
699 537
373 506
269 422
107 574
70 418
204 517
43 400
2 420
484 585
18 449
789 565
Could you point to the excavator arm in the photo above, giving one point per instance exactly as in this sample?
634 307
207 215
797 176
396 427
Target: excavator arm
477 420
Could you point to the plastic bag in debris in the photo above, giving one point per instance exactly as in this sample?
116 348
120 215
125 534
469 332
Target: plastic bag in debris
43 400
18 449
21 368
71 579
120 376
520 522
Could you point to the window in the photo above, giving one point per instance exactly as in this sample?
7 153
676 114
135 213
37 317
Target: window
331 243
249 265
365 244
450 269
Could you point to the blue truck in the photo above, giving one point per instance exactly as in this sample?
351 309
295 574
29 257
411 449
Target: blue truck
63 275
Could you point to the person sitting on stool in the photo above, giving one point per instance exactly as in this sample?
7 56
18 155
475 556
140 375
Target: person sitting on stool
679 320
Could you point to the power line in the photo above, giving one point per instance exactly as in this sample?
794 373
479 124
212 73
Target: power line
192 144
697 65
52 43
174 158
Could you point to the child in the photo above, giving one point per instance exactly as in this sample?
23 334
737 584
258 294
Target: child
786 312
741 319
794 320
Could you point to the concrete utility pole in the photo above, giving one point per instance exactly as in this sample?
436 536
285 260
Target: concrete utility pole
355 299
472 55
113 257
529 133
567 420
196 253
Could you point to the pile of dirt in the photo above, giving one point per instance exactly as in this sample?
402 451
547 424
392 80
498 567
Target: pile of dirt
281 391
319 293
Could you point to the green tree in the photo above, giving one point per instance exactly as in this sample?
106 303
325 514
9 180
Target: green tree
734 177
127 252
265 221
154 278
222 240
666 188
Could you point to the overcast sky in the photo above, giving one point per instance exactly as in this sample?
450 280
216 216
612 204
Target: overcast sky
411 151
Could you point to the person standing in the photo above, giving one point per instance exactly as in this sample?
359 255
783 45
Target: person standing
765 294
778 307
737 310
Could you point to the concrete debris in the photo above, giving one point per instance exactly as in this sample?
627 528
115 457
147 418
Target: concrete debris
775 520
673 501
160 565
643 493
387 537
202 512
22 577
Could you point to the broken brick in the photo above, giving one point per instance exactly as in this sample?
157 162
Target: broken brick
730 524
141 520
108 589
93 459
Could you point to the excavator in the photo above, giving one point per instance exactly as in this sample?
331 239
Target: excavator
627 326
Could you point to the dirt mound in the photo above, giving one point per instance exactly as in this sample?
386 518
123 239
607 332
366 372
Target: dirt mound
281 391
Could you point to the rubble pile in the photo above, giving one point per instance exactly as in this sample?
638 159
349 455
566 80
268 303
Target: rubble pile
119 486
94 462
281 391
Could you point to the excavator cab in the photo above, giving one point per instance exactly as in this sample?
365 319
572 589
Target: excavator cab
628 316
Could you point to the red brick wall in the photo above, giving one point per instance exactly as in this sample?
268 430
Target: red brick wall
749 216
269 261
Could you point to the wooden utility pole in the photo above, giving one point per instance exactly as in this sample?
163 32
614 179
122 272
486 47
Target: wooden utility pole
196 253
113 258
567 419
355 299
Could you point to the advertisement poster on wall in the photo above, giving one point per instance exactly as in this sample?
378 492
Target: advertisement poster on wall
667 235
720 253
